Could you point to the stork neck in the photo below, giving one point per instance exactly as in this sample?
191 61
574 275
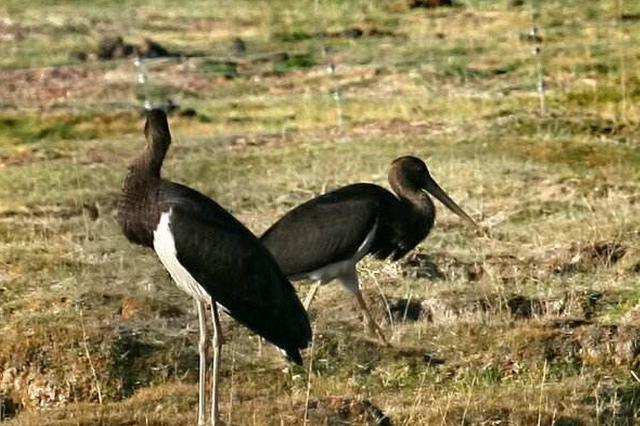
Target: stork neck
144 174
405 189
149 163
418 203
137 208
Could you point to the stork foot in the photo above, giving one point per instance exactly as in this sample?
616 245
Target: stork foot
375 330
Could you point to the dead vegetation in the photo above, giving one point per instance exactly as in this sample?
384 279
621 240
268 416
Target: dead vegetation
340 411
535 324
115 48
570 259
429 4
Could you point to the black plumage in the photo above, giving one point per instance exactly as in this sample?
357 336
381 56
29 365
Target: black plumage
242 277
219 252
331 228
321 236
225 259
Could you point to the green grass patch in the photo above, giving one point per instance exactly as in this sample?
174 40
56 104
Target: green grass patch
294 62
455 86
16 129
215 68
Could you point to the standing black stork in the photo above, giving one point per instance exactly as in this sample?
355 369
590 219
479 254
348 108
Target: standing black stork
323 238
210 255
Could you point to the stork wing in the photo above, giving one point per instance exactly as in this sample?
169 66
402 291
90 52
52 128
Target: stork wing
240 274
324 230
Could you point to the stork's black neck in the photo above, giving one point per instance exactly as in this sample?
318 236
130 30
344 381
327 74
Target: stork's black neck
144 171
417 205
148 165
138 210
156 131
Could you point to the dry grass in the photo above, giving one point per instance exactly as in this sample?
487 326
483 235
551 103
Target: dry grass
536 324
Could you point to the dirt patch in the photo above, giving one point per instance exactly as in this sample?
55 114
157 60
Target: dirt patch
35 371
152 49
364 353
439 266
455 305
497 415
397 126
583 258
24 156
591 303
240 141
576 258
8 408
452 305
428 4
505 267
93 208
335 411
621 404
460 305
52 84
404 310
396 310
357 32
421 265
57 212
522 307
146 307
116 48
586 124
238 47
508 268
413 356
574 342
354 32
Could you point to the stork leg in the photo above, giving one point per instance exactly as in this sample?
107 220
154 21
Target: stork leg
311 295
202 346
218 340
351 282
374 328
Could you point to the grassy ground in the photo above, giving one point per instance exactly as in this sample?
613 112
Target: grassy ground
537 324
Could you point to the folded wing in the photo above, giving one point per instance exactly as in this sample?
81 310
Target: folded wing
327 229
239 273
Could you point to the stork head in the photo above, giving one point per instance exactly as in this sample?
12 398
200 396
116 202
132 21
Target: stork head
412 173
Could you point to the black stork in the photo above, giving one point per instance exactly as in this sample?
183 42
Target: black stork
210 255
323 238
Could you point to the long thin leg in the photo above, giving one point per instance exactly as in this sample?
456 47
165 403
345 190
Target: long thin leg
374 328
218 340
202 347
351 283
311 295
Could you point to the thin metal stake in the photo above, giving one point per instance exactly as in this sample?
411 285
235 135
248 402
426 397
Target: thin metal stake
336 94
534 35
142 80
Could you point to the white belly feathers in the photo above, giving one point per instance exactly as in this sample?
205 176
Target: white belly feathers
165 247
343 270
